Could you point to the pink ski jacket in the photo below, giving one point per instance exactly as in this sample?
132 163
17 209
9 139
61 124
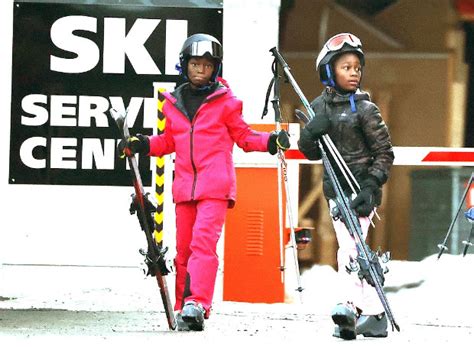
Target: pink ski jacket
204 167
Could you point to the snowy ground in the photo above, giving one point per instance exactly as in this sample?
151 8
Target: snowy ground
432 288
431 300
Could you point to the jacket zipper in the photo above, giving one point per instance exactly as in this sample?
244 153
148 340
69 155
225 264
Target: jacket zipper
191 142
191 145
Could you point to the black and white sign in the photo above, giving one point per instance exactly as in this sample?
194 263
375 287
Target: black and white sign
71 64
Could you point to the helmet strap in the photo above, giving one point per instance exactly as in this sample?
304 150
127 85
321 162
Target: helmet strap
327 78
353 104
216 73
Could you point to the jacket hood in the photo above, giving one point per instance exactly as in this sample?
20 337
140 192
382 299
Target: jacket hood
218 89
176 96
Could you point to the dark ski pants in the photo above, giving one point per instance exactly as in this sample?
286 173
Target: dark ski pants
198 228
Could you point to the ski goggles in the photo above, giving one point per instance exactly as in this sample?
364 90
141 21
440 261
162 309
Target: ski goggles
336 42
200 48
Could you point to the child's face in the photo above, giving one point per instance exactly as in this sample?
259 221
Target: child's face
348 71
200 71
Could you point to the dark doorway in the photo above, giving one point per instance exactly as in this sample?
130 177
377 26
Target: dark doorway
469 57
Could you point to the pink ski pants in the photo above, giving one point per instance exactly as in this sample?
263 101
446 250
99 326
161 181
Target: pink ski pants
198 228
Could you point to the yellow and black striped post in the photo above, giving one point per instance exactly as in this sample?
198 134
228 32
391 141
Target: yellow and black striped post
160 177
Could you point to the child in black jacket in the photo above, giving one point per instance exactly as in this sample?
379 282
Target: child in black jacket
359 133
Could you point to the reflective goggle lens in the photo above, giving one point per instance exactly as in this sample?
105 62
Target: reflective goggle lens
336 42
200 48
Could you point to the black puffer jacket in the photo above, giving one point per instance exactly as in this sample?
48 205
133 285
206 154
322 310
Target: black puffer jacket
361 137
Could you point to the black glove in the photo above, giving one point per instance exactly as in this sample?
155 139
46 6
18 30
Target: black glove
317 127
368 198
278 140
136 144
309 148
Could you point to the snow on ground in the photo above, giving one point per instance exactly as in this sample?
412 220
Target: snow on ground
433 290
430 290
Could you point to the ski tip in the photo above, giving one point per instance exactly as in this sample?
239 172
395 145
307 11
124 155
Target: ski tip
117 115
173 325
114 113
395 326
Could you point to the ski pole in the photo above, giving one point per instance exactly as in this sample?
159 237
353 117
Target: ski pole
280 224
283 172
333 148
290 220
470 217
442 246
468 242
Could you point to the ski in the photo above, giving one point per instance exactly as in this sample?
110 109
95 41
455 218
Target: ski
144 209
368 264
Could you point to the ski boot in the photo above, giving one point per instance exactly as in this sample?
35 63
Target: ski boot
193 315
345 317
372 326
181 325
369 326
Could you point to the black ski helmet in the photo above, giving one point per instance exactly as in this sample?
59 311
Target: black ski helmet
201 45
336 45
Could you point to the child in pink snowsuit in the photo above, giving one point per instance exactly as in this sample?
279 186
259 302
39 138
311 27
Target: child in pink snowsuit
203 122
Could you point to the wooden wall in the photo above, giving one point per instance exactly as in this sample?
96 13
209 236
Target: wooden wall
414 72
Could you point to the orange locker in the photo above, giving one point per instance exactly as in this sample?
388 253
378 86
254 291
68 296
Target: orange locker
252 240
252 261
